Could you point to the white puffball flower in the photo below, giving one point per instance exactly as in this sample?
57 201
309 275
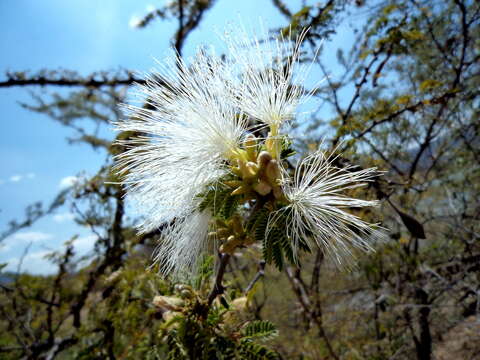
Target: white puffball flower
316 209
185 130
271 78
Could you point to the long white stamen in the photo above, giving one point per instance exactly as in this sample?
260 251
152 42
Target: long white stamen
271 86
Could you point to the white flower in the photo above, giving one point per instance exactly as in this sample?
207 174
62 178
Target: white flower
271 77
186 127
188 133
183 243
316 208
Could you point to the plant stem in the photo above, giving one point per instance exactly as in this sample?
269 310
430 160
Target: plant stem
218 287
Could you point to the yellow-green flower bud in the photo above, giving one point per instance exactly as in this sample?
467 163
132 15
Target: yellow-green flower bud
236 170
243 168
233 183
252 169
250 145
247 171
240 190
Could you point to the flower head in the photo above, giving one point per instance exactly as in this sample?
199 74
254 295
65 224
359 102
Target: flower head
191 159
316 207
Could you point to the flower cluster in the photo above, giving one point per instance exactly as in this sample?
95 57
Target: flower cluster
206 158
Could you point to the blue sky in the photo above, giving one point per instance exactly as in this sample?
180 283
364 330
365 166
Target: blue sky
85 36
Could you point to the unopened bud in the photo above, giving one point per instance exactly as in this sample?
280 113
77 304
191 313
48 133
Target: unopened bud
262 188
263 158
233 183
222 233
186 294
168 303
230 245
252 169
278 193
236 170
238 154
240 304
247 171
273 171
185 291
237 225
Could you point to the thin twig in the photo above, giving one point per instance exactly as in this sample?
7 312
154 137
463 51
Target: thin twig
218 288
260 273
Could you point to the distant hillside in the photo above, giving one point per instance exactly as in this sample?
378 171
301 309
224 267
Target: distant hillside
6 278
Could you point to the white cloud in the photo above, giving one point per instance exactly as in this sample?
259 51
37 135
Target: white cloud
32 236
85 243
19 177
16 178
134 21
68 181
40 255
150 8
34 263
60 218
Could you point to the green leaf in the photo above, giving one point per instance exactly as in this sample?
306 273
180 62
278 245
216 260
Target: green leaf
260 225
277 255
287 150
230 204
219 201
250 350
277 244
260 329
